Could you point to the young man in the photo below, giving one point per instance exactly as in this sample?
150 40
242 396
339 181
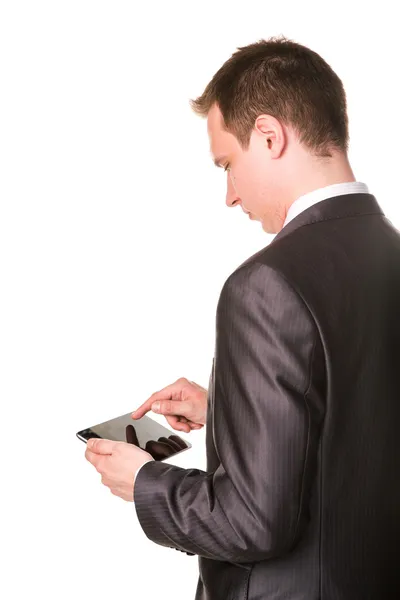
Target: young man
301 496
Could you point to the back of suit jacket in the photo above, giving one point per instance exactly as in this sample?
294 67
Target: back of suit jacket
301 497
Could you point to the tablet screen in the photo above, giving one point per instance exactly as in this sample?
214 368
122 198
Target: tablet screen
157 440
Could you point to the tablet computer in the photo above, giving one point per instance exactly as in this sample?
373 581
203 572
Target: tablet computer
146 433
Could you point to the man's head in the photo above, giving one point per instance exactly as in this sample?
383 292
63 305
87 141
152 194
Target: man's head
277 120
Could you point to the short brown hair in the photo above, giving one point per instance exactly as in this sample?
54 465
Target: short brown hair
286 80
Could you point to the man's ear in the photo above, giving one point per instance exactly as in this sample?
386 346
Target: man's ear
273 133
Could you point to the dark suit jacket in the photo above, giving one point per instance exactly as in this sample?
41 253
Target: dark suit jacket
301 496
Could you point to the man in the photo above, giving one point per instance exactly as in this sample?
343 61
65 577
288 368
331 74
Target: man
301 496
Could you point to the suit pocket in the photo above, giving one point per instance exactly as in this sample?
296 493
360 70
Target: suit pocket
224 580
243 592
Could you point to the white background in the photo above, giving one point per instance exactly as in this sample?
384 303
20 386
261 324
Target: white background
115 241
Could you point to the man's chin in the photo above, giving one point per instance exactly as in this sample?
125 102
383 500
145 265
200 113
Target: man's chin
267 228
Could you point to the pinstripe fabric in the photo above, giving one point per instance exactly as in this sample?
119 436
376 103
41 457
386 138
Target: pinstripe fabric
300 499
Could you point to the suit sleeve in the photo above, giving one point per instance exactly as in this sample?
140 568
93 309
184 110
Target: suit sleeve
264 420
137 471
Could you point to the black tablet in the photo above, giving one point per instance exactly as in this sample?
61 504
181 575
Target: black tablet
146 433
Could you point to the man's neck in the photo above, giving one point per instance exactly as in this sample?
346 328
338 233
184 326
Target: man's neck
322 173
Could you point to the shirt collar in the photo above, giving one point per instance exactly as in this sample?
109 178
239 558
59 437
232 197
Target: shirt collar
328 191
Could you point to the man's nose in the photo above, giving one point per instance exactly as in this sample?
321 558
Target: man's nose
231 196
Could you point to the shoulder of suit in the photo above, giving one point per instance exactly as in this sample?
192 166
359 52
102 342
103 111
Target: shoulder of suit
253 272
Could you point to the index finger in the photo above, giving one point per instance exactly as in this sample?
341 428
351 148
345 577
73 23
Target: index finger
170 392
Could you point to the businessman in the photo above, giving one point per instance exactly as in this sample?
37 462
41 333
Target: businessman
300 499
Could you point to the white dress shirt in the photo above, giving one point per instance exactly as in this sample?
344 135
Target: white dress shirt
307 200
336 189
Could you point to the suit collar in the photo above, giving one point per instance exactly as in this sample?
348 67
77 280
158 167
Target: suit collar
335 207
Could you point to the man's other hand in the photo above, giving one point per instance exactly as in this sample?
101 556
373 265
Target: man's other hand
117 462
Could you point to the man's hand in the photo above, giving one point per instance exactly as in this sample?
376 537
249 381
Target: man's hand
184 404
117 463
